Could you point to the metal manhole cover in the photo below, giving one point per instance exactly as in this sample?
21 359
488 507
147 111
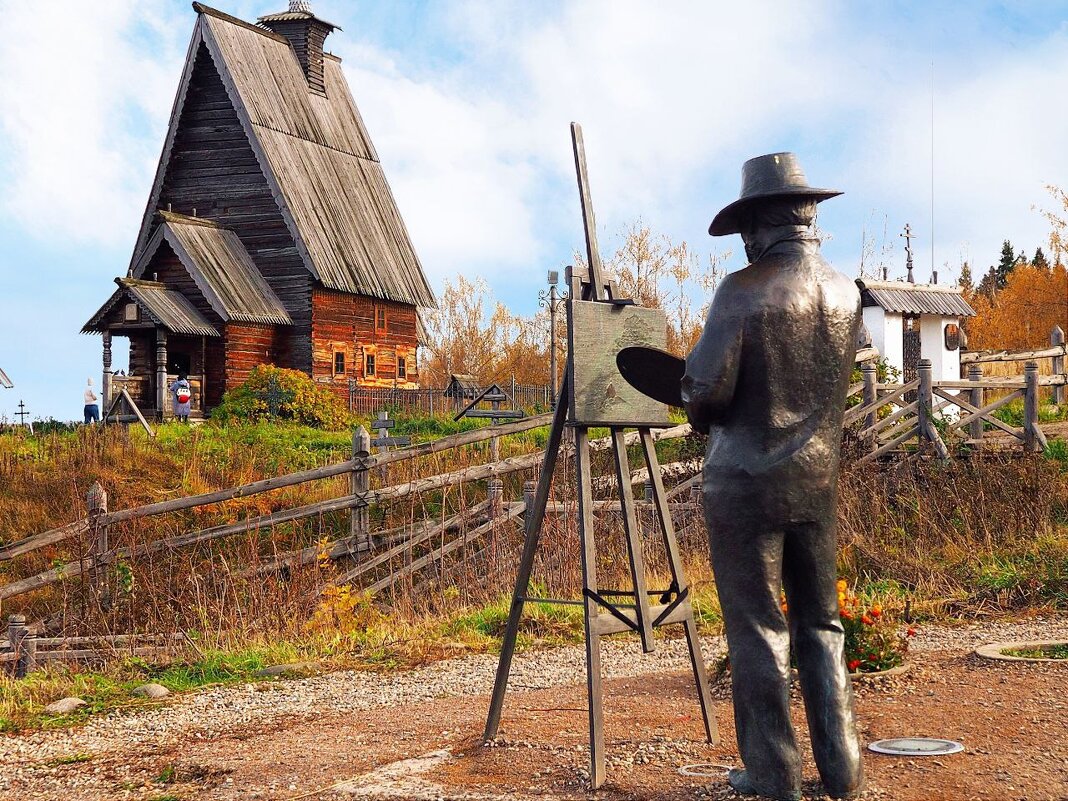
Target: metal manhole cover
915 746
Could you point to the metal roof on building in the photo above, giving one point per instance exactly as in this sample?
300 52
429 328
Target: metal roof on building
221 268
162 306
905 298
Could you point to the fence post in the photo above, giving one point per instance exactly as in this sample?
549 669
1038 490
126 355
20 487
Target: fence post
871 392
1034 439
23 646
528 493
975 427
97 502
924 414
1056 339
495 494
359 482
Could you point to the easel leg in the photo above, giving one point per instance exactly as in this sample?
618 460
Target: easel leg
534 518
634 540
671 546
590 609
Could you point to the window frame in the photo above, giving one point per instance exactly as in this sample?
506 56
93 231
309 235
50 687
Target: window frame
402 368
370 365
342 371
381 312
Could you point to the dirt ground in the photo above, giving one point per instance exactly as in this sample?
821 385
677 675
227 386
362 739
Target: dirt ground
1012 718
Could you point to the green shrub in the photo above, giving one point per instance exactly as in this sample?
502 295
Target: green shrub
274 392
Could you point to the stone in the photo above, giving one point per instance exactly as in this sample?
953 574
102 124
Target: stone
64 706
151 690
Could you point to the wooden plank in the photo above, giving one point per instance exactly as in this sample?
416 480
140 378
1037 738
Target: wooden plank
589 224
978 357
634 541
888 420
912 432
44 539
510 511
533 522
418 538
984 413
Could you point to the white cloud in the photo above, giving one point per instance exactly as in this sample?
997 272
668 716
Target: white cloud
80 84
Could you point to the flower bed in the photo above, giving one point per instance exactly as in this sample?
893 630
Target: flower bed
873 641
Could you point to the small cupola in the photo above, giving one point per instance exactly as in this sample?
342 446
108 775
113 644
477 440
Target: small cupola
306 34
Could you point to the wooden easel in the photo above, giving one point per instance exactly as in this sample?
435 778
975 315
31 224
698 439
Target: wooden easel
602 615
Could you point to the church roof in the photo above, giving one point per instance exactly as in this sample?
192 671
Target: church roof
901 297
164 307
317 157
221 268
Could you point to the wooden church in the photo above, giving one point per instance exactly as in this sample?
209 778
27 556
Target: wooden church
270 235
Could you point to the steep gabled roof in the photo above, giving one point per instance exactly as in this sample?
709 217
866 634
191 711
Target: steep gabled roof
220 266
317 157
902 297
165 307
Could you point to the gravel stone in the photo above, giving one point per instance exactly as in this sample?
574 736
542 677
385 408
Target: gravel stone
151 690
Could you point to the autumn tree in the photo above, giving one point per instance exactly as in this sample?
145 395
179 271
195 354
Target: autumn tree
1022 314
965 280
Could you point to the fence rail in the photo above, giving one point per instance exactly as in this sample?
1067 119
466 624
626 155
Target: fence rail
531 398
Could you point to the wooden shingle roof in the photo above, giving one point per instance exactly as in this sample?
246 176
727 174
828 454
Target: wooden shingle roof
318 160
164 307
221 268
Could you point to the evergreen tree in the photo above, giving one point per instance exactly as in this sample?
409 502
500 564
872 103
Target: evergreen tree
1008 261
988 286
965 280
1039 260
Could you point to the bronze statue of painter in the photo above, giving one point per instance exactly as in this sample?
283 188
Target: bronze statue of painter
768 381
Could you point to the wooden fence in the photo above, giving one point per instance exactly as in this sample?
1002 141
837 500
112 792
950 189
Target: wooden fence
928 411
532 399
421 543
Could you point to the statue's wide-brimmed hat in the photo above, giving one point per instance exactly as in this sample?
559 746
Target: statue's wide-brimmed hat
776 175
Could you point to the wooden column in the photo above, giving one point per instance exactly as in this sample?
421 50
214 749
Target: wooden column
1034 439
161 372
360 481
23 646
871 392
495 495
1056 339
105 384
925 398
975 427
97 502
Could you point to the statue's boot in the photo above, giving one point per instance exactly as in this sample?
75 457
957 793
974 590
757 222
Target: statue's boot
742 783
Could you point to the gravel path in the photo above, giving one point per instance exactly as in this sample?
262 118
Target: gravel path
202 717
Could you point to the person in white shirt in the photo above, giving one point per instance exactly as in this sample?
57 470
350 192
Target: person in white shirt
92 407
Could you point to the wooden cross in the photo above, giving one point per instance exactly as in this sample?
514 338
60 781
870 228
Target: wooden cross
22 414
384 441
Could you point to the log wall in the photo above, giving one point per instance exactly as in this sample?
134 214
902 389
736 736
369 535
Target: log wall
346 324
248 346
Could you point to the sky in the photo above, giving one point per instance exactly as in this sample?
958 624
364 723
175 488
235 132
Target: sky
908 107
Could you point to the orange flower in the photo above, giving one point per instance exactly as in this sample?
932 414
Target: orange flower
846 614
911 632
867 621
854 664
876 611
842 585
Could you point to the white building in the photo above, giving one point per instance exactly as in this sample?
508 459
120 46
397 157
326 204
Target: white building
908 322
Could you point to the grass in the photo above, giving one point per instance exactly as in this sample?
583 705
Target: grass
1046 652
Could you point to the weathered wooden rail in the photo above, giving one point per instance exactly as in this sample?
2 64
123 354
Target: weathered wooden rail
889 419
24 649
100 522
